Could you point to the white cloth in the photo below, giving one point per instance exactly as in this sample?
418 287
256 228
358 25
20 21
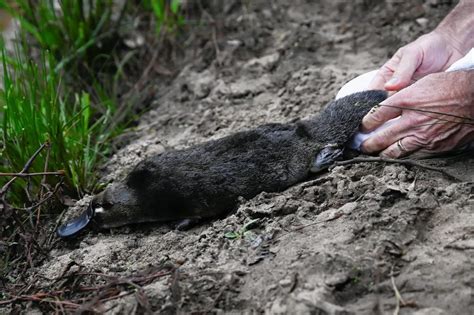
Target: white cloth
361 83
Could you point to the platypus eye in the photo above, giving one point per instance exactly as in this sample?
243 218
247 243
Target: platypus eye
106 205
97 204
99 208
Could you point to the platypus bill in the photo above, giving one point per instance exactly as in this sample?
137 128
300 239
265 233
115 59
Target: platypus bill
206 180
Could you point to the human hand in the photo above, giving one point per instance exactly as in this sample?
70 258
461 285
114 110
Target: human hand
436 115
430 53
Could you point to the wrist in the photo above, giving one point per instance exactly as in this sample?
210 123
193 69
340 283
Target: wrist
458 27
465 90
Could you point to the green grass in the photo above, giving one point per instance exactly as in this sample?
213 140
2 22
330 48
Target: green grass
36 108
80 30
54 92
73 33
243 231
44 95
62 86
167 14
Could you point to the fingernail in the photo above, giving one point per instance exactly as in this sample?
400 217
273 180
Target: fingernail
392 81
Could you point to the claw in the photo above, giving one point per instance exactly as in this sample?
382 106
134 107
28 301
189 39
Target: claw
326 157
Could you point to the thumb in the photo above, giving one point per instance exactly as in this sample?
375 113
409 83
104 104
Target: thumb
409 62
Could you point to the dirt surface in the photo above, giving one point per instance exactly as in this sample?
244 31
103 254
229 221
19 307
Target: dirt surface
343 242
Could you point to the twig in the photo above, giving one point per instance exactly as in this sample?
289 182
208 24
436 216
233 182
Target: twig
29 244
396 161
43 185
398 296
219 295
42 201
23 230
52 233
57 173
301 227
112 290
216 45
39 297
336 216
214 30
464 120
24 170
144 76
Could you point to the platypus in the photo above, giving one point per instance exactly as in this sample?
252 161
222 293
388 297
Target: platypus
206 180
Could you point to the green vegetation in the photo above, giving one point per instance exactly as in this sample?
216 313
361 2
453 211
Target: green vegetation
167 14
243 231
74 32
44 97
65 84
60 86
36 109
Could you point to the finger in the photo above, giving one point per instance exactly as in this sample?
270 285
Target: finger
385 73
379 115
403 74
385 137
381 77
401 148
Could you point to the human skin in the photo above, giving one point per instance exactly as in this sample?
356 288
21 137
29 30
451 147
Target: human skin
421 128
413 75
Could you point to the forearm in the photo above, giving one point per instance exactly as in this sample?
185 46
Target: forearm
458 26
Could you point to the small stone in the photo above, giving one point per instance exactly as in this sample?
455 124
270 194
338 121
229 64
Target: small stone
308 286
267 13
336 279
266 62
300 88
134 42
271 287
200 84
348 207
285 282
430 311
450 190
234 42
423 22
427 201
74 269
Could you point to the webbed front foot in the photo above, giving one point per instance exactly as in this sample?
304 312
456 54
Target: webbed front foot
186 224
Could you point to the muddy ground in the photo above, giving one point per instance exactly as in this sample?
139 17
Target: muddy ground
341 243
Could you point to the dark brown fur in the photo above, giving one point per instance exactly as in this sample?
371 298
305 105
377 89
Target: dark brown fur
206 180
